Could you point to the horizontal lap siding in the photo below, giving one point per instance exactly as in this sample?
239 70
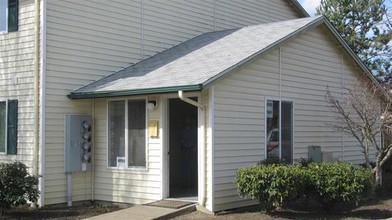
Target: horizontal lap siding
85 41
125 185
281 10
168 23
313 59
239 125
351 150
234 14
311 63
17 60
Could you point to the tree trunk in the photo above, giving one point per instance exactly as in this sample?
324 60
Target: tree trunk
366 151
378 174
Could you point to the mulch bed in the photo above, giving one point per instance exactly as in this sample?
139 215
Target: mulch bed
66 213
375 208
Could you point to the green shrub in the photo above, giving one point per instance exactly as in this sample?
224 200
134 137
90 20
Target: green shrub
303 162
16 185
272 185
270 161
330 183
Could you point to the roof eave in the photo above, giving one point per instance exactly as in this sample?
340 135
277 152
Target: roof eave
110 94
300 9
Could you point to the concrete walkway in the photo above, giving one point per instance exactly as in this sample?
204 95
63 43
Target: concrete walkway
142 212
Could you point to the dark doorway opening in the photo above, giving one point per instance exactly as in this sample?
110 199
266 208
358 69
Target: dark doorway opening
182 150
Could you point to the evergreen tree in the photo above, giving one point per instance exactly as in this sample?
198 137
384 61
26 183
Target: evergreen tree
364 26
389 16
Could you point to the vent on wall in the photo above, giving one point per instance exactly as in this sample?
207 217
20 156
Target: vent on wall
327 157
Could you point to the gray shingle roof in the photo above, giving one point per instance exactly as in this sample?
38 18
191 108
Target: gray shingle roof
197 62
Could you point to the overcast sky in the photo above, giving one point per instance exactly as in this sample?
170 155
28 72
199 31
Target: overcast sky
310 5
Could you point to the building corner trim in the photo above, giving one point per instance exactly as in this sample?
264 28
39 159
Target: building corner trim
42 104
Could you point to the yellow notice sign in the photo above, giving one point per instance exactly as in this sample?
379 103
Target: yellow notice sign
153 129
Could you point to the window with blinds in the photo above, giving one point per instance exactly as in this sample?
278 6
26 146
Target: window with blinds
8 127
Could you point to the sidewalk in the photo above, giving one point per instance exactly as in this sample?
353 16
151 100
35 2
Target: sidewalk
142 212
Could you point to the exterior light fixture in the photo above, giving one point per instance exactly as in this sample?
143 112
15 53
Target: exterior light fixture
152 104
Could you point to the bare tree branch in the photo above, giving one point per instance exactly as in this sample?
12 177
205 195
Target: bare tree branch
363 113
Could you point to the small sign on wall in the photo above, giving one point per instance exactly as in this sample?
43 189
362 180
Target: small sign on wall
153 129
270 109
121 162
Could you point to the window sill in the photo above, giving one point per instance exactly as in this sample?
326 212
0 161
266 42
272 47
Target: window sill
129 169
2 154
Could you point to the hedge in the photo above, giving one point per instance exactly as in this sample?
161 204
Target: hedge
328 183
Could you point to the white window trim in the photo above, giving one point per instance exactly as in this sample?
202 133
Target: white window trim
6 19
132 168
6 123
280 100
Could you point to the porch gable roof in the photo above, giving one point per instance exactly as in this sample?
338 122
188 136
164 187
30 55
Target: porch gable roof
196 63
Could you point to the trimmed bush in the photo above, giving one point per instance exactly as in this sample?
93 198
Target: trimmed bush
16 185
272 185
328 183
331 183
270 161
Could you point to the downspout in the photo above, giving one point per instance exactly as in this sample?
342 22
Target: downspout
36 86
214 21
203 150
280 104
341 98
190 101
141 30
93 150
42 112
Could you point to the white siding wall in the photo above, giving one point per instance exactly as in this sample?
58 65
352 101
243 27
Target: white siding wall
239 124
89 39
232 14
17 60
168 23
125 185
309 64
315 59
85 41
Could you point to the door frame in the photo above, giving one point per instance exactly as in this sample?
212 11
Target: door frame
165 159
